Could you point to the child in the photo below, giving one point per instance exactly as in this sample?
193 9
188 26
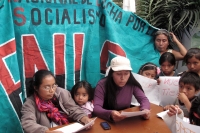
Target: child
167 63
148 70
194 115
189 85
192 60
82 93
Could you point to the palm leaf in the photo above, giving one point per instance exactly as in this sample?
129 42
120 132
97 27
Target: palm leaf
178 16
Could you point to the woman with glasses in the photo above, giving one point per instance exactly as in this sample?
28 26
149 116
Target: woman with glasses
48 105
163 40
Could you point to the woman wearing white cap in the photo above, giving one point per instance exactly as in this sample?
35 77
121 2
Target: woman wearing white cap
115 91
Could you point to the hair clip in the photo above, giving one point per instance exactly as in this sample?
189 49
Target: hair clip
196 115
149 65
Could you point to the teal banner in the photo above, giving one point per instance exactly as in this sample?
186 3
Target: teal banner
75 39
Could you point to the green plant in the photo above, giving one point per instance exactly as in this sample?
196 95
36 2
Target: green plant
178 16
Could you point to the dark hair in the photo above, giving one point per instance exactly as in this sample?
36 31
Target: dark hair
85 85
192 52
167 56
110 90
148 66
195 108
37 80
191 78
167 34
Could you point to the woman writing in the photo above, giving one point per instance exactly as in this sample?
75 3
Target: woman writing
163 39
48 105
114 92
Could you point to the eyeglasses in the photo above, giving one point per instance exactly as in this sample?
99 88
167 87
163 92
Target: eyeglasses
48 87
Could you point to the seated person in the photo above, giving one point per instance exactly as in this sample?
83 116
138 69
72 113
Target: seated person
82 93
114 92
189 86
48 105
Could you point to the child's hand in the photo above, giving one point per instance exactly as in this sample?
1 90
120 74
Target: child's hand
158 81
116 116
182 97
173 109
166 107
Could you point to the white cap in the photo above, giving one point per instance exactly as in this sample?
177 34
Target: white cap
120 63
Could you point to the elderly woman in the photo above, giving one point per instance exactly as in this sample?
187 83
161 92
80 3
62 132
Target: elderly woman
48 105
114 92
162 41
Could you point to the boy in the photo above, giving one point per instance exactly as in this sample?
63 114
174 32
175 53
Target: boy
189 86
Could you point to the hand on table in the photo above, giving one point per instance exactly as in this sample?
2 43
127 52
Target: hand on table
86 120
147 115
173 109
116 116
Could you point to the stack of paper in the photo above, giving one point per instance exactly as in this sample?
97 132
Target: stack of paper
75 127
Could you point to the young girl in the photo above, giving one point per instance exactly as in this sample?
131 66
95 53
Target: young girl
167 63
192 59
189 86
148 70
82 93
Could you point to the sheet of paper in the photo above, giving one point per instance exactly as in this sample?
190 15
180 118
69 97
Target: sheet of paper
72 128
75 127
161 114
185 119
87 125
131 114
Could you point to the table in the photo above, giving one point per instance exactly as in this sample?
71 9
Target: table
133 124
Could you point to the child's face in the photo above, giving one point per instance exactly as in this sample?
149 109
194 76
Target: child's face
81 96
149 74
193 64
187 89
167 68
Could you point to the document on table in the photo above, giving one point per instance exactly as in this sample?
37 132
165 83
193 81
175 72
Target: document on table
75 127
131 114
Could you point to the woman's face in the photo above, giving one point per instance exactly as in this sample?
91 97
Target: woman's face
121 77
149 74
47 88
161 43
193 64
167 68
